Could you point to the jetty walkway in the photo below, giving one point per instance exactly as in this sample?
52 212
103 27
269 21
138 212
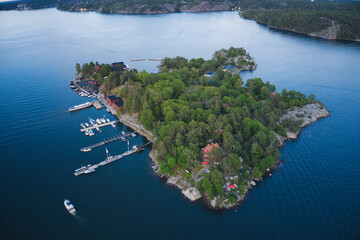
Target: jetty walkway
99 125
108 140
91 168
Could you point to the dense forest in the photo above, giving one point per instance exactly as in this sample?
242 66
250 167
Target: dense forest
305 16
186 110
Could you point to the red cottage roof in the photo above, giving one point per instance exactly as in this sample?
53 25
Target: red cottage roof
231 186
272 95
205 162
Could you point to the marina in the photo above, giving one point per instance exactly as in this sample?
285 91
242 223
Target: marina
108 140
109 159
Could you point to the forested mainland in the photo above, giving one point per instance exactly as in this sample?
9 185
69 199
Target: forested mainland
331 20
188 111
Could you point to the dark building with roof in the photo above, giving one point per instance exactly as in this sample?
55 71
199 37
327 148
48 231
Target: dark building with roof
112 99
117 66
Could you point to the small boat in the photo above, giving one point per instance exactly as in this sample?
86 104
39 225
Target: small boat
91 133
108 120
86 149
98 129
98 121
87 133
87 125
123 133
92 121
108 110
133 134
69 207
103 120
82 125
113 125
87 171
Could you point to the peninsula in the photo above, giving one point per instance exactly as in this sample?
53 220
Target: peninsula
214 136
328 20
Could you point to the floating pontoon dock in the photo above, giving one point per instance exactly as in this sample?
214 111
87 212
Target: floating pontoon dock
109 159
108 140
98 126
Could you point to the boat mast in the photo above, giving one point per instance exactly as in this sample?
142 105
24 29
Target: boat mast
107 153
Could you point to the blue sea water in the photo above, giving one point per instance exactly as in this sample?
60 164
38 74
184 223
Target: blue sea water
314 194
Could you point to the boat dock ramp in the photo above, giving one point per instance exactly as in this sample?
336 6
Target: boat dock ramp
99 125
109 159
108 140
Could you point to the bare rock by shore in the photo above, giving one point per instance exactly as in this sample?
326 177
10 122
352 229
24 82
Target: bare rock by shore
308 114
189 192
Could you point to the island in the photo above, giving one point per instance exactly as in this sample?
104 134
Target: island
214 136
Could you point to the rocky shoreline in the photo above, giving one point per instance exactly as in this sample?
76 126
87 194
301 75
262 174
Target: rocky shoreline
309 113
145 9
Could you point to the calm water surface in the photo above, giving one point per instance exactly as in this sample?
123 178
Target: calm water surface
313 195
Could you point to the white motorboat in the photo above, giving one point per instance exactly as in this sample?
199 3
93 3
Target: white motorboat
80 106
69 207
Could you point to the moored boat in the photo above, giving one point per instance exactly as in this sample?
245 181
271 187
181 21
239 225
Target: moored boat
92 121
80 106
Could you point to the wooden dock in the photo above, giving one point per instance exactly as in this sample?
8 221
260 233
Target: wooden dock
97 105
108 140
137 60
98 126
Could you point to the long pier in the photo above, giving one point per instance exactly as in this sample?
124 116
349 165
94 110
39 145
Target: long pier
98 125
109 159
109 140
